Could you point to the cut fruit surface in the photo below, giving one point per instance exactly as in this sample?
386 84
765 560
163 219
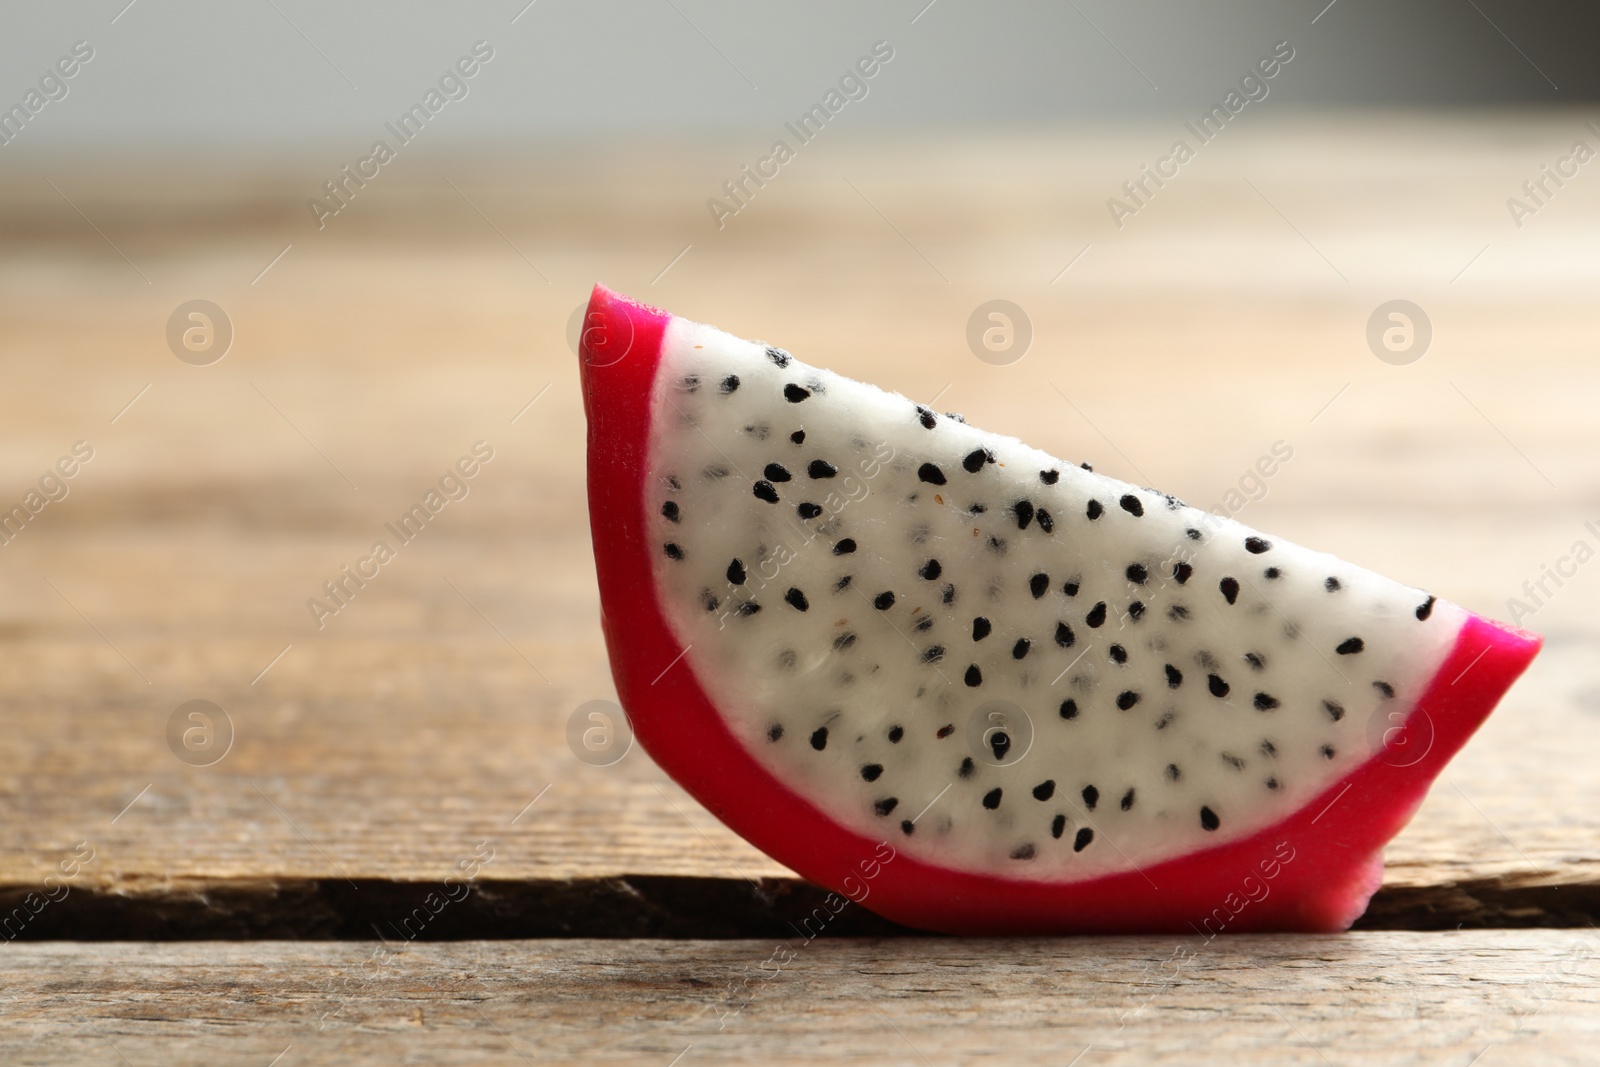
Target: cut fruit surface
981 690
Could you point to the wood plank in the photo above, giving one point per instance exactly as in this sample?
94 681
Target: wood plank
426 715
621 851
1380 998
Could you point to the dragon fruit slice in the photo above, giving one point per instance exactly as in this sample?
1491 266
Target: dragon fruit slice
984 691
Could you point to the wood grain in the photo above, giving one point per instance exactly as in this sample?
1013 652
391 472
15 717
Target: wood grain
425 716
1379 998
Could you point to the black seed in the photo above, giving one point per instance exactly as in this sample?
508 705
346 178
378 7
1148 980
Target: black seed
1081 842
1332 585
711 602
1064 635
1069 708
1172 772
1350 646
1020 649
1425 609
907 826
1272 783
1049 477
1000 744
798 437
821 468
974 677
948 593
1268 749
1255 660
883 601
1118 654
764 491
1038 584
1070 588
931 570
843 583
794 394
1335 711
669 511
1127 800
736 573
1178 613
1097 616
1385 688
871 772
1127 699
775 732
928 419
819 738
1192 534
1046 523
1166 719
1131 505
1136 610
730 383
895 734
1230 589
1094 510
691 384
924 623
844 640
1256 545
1024 512
1023 852
934 654
981 628
1327 751
808 511
845 547
1174 677
1045 790
1137 574
1219 688
672 550
1181 572
1265 702
1233 761
796 599
778 356
976 459
931 474
886 805
945 731
1058 826
991 799
977 509
1271 572
1208 819
776 472
966 768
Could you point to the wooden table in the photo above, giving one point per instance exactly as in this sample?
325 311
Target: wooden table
234 911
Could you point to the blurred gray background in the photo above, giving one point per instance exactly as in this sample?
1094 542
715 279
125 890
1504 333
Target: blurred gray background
257 76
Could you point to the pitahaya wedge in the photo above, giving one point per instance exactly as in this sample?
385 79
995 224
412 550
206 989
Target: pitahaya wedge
984 691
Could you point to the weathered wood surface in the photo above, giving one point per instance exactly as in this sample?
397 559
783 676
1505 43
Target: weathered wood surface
1380 998
425 716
